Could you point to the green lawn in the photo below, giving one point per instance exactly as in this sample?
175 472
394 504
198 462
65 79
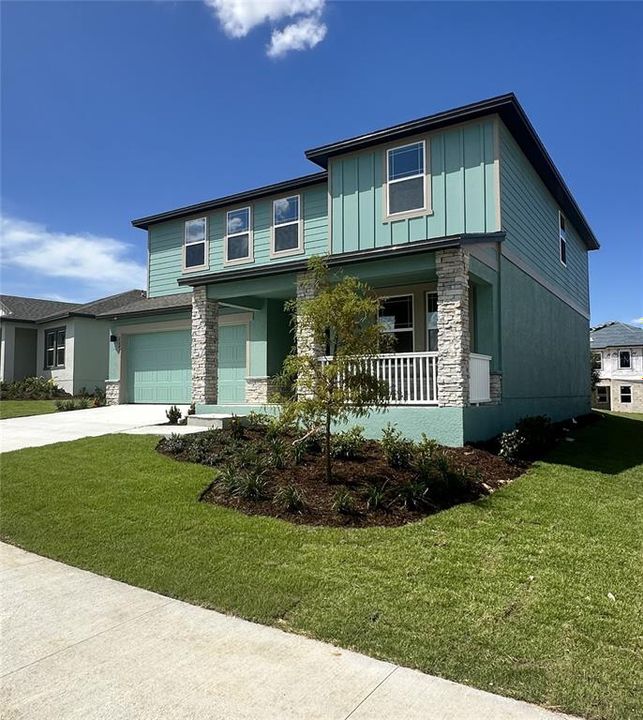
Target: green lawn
21 408
510 594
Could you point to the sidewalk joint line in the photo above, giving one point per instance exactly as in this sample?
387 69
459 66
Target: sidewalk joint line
366 697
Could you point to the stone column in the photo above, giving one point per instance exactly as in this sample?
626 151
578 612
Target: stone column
205 347
495 387
112 392
305 341
453 327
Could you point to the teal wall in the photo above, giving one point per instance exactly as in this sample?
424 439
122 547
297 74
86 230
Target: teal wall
166 240
463 194
530 218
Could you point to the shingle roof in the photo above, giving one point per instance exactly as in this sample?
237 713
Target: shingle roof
145 306
32 309
102 305
615 334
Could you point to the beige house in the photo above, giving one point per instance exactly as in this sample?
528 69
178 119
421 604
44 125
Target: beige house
617 349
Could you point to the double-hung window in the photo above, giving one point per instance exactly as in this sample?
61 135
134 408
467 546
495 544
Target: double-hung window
196 244
286 224
238 241
626 393
562 238
396 318
431 321
624 359
602 395
54 348
406 178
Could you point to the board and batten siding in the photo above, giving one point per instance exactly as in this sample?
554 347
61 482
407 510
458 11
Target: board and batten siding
166 240
530 218
463 193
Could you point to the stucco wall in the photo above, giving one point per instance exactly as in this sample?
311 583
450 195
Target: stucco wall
63 376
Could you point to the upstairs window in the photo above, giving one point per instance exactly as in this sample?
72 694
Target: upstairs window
195 251
238 241
54 348
625 359
396 317
597 360
286 226
562 237
626 393
405 179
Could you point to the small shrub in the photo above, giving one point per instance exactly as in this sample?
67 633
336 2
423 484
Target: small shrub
82 403
397 449
192 409
277 453
252 485
511 444
33 388
235 428
258 421
173 415
66 405
349 444
344 503
426 458
538 432
298 452
172 444
196 451
375 496
290 498
414 495
228 479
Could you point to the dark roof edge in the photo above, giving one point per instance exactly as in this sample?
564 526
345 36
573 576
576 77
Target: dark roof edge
512 113
62 316
346 258
265 190
145 313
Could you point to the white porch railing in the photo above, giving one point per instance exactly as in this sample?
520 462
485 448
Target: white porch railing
412 377
479 383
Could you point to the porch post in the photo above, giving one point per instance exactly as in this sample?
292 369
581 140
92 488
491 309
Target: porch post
304 335
205 347
454 341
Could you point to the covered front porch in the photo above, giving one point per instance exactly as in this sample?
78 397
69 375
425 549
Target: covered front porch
440 308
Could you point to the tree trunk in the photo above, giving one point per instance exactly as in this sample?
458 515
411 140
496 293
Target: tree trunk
329 472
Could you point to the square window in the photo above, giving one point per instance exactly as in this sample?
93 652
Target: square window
626 393
405 178
624 359
238 247
194 255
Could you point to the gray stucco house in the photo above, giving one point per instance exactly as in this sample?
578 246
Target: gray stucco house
617 349
63 341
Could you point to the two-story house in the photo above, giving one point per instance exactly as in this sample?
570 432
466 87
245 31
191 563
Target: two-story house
617 349
461 223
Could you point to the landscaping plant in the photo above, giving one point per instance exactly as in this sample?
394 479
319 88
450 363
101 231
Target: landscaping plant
173 415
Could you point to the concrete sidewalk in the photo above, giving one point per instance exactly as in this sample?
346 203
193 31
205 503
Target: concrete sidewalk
77 645
37 430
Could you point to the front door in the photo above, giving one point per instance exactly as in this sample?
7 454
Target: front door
232 364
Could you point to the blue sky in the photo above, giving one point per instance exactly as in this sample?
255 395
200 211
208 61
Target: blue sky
112 110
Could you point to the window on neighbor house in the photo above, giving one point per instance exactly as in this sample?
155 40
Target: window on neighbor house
286 225
597 360
562 235
626 393
624 359
195 244
238 235
396 317
405 178
54 348
432 321
602 395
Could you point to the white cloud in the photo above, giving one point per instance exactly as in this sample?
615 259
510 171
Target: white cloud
638 321
301 35
239 17
101 262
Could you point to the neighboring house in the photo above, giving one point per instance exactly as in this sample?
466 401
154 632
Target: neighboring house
58 340
461 223
617 349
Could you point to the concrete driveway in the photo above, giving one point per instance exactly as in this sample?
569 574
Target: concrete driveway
77 645
35 430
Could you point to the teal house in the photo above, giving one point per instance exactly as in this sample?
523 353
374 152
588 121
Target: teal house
459 220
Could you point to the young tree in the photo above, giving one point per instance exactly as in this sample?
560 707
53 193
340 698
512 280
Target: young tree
337 320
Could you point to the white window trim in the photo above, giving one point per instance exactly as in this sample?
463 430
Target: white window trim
412 328
426 207
562 239
618 359
300 228
426 312
206 248
620 394
249 232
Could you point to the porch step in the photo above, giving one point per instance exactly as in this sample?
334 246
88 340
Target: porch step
211 420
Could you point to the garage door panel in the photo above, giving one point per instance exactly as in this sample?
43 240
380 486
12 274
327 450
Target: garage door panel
159 367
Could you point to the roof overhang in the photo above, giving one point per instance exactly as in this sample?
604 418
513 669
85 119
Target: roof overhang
511 113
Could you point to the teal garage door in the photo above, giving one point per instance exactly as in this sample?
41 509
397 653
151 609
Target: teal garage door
232 364
159 367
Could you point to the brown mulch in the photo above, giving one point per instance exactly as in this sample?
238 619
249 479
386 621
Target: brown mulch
490 472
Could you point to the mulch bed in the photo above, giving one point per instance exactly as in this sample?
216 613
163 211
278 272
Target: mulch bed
490 472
